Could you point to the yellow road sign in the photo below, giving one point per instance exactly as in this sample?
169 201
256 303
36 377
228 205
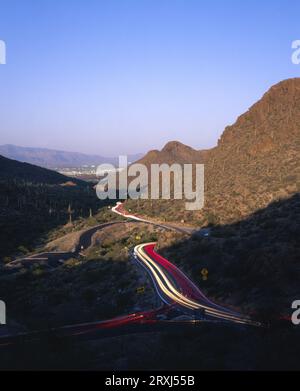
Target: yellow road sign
141 290
204 273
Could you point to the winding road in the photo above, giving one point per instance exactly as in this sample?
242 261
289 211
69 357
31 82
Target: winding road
175 289
172 285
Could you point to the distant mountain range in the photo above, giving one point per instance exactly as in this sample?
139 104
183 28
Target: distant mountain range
50 158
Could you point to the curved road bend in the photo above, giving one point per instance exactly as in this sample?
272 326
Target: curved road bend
172 285
85 241
175 289
119 210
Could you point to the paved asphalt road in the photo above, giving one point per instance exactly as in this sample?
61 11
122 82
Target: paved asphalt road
175 289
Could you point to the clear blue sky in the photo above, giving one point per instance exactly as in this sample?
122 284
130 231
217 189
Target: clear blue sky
125 76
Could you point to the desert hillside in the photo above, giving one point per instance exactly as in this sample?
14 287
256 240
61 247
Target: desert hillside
174 152
255 162
257 159
34 200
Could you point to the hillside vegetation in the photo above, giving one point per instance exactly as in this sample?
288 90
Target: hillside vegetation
255 162
34 200
253 265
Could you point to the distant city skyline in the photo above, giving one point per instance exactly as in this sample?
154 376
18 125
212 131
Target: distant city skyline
124 77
